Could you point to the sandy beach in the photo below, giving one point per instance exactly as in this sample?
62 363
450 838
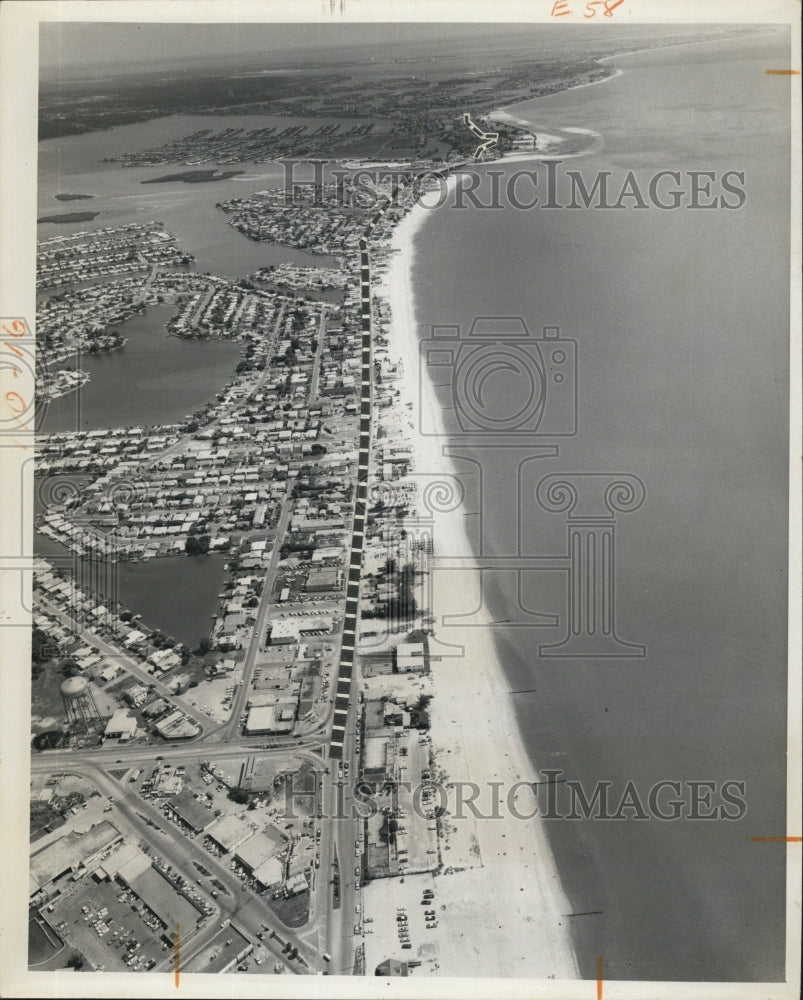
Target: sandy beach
505 908
558 144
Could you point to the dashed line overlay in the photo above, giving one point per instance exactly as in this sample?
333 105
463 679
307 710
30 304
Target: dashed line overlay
346 663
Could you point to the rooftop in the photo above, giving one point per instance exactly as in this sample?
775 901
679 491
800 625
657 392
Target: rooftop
173 909
70 851
230 832
191 811
259 848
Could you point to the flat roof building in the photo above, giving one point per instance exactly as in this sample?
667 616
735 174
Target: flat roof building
322 580
259 848
121 726
135 866
177 727
127 860
257 774
190 811
270 719
410 658
227 948
169 906
229 833
289 630
72 852
270 872
296 884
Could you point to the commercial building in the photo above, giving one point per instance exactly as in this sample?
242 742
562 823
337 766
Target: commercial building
177 727
323 580
296 884
189 811
278 718
255 851
229 833
121 726
125 864
164 901
327 552
290 630
273 711
270 872
378 759
226 949
410 658
73 854
257 774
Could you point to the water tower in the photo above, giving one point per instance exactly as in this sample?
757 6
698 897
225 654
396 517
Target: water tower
79 705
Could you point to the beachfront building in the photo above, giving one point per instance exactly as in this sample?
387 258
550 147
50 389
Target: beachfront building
411 658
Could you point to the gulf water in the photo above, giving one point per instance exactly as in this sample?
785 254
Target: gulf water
681 320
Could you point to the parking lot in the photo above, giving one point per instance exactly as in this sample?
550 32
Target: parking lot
401 920
417 836
99 921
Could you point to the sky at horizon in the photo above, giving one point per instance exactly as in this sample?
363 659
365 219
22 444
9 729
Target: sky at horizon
96 46
85 49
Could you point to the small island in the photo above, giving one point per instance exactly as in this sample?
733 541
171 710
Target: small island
72 197
70 217
195 176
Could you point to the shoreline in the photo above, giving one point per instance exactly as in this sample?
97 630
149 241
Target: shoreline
691 41
502 113
523 902
552 141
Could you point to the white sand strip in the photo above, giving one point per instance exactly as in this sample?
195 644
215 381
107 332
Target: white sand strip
505 906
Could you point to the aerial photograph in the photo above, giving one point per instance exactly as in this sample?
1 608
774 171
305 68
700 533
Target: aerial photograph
410 502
